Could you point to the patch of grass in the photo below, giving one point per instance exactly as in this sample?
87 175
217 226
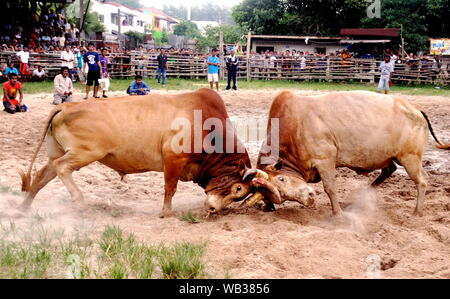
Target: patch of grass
45 253
189 217
182 261
193 84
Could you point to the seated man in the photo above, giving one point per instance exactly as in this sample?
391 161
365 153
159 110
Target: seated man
138 87
10 89
63 87
39 74
10 70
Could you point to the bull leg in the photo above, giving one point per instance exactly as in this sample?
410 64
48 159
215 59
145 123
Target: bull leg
42 178
413 166
385 173
71 161
172 171
327 171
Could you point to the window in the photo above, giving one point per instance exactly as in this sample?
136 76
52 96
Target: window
101 18
114 19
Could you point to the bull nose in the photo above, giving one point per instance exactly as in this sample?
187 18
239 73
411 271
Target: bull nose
209 208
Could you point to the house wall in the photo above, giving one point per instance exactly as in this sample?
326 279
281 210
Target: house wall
298 45
106 10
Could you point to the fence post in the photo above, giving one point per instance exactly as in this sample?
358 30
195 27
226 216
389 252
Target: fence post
222 59
249 44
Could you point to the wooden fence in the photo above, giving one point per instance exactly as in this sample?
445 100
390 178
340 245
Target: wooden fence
258 68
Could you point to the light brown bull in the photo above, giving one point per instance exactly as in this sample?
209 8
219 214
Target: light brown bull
360 130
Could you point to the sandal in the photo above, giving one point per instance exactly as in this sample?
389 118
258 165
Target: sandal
97 97
85 98
105 96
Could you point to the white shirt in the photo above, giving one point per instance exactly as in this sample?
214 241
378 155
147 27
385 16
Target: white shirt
24 56
386 69
67 56
38 73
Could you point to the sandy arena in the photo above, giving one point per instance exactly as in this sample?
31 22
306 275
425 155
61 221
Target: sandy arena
292 242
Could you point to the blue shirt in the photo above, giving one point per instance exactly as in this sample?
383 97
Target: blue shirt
213 69
92 59
134 88
11 70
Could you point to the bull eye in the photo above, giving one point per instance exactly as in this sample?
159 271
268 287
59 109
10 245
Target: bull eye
238 188
281 179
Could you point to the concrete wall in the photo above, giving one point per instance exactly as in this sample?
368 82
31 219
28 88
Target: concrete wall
298 45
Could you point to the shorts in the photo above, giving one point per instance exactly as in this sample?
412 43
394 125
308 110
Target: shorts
383 84
92 78
213 77
58 99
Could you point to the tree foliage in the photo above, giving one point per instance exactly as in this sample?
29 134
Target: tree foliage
187 28
421 19
231 35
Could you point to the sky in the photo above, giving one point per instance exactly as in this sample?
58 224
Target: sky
159 4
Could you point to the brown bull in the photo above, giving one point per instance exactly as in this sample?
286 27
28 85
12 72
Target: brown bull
359 130
140 134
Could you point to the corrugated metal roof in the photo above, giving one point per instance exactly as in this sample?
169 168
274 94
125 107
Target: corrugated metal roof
391 32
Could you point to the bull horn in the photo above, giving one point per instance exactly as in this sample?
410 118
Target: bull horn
259 173
254 199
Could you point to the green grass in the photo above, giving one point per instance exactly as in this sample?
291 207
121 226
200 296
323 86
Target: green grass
190 218
39 252
193 84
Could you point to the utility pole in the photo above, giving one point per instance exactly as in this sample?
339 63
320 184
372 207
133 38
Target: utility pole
404 54
120 28
249 44
81 18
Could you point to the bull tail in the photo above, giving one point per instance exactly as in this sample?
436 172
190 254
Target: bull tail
438 144
26 177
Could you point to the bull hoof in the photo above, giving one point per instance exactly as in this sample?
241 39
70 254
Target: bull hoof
24 207
166 214
418 213
338 218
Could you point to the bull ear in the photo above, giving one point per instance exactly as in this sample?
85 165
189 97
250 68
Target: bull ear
278 165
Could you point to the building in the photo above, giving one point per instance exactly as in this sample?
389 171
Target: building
131 19
306 44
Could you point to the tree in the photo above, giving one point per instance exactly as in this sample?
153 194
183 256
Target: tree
187 28
206 12
231 35
92 22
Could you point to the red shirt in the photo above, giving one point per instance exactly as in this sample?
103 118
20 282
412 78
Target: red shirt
11 90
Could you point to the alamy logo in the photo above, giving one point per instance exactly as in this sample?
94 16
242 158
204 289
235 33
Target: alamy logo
374 9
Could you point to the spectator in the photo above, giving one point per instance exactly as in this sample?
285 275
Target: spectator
63 87
162 67
92 60
39 74
386 68
138 87
232 62
24 56
104 62
67 58
213 69
10 70
10 89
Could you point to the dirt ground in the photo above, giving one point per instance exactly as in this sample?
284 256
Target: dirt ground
292 242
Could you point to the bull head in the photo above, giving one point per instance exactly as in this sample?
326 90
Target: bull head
227 189
278 185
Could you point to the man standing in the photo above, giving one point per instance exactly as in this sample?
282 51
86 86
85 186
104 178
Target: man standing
67 58
232 66
162 67
92 59
63 87
24 56
386 68
10 89
213 69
